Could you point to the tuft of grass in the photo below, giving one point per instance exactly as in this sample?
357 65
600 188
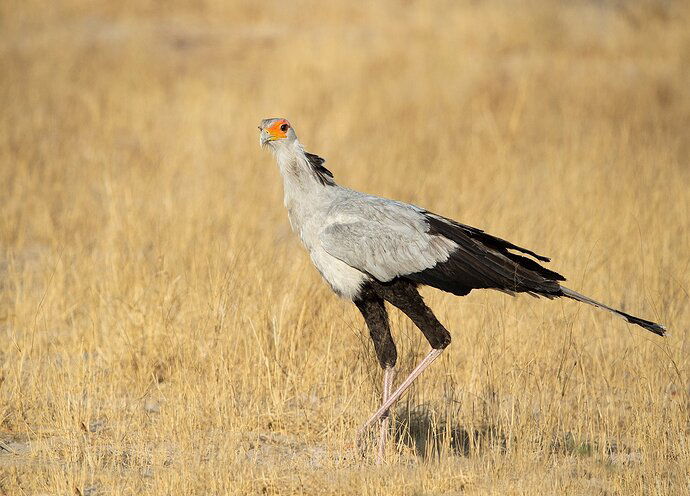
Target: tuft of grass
164 333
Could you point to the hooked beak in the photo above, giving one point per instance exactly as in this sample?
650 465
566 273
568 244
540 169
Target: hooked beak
273 130
265 136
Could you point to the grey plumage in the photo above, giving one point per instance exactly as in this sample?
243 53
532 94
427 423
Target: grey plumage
382 238
370 250
355 238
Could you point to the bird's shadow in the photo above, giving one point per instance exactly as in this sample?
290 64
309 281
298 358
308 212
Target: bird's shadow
430 434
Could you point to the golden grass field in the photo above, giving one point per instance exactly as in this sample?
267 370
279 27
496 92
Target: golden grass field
163 332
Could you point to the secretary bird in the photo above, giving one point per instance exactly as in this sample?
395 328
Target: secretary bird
371 250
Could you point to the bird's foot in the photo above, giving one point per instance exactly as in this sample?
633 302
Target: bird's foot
383 410
363 441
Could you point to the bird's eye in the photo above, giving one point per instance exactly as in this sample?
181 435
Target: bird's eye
284 128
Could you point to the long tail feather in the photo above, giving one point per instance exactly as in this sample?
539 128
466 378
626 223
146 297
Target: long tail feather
647 324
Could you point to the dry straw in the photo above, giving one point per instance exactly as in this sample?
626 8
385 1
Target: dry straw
162 331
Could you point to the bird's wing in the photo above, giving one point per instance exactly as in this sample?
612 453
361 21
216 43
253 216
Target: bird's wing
383 238
389 239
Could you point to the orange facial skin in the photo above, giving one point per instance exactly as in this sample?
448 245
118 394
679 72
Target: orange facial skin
278 129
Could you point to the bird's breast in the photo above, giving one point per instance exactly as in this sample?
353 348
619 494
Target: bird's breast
303 225
344 280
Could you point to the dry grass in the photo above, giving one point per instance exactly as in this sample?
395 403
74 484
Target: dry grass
164 333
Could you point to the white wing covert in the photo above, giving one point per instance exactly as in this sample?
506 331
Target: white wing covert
383 238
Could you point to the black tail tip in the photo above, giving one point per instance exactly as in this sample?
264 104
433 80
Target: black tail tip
657 329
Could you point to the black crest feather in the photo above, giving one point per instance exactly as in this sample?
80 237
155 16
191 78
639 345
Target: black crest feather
324 176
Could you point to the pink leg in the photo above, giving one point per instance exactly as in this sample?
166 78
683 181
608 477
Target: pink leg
433 355
388 376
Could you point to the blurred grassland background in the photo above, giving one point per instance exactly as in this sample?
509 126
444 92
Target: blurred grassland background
163 332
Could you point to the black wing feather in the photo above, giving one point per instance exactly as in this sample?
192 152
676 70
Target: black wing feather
483 261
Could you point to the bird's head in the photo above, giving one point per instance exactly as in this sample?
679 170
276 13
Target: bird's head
276 132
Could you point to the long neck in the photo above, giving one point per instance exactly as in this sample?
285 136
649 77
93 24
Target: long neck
308 188
302 176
